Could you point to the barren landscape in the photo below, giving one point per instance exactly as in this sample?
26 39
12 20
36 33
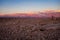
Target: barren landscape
29 28
29 20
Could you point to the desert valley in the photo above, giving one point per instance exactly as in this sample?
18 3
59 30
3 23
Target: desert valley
41 26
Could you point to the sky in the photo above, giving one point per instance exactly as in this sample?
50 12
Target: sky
23 6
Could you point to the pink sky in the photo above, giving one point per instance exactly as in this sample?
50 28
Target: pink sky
49 13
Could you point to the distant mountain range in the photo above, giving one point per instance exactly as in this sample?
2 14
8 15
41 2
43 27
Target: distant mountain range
38 14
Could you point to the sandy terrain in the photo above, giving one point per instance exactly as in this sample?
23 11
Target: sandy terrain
29 29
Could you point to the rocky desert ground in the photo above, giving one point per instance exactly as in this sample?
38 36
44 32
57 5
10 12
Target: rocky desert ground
29 29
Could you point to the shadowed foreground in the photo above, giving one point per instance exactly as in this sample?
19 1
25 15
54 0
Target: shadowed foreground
29 29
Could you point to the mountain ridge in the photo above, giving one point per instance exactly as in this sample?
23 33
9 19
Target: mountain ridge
38 14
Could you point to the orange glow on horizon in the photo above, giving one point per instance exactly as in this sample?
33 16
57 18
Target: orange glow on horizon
30 12
50 10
